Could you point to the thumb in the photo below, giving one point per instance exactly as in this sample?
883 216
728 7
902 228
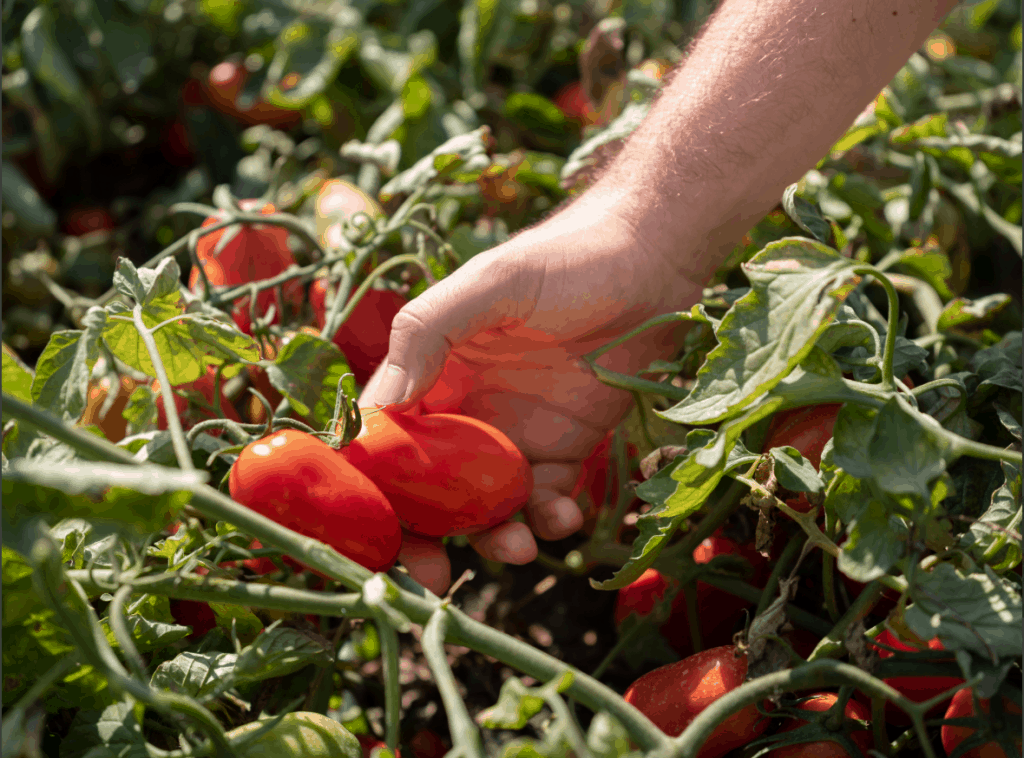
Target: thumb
488 291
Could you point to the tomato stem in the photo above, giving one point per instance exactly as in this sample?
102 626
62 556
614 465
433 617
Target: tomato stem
781 566
889 353
463 730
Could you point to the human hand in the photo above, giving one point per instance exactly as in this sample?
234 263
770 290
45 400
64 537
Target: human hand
501 339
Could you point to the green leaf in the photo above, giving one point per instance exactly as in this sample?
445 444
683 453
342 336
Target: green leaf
929 265
113 731
198 675
963 313
282 651
61 383
797 288
17 377
1003 513
534 112
315 57
607 738
246 624
307 371
806 214
905 453
794 472
21 198
515 707
877 540
978 612
1000 365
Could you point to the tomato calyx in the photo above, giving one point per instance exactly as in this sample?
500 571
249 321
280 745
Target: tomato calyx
822 725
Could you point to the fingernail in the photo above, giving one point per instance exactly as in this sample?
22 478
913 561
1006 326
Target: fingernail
392 387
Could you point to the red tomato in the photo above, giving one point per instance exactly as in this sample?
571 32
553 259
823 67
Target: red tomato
365 335
87 220
444 474
962 706
226 82
916 688
807 429
370 745
574 104
191 414
428 744
672 696
819 703
256 252
597 476
718 610
195 614
301 483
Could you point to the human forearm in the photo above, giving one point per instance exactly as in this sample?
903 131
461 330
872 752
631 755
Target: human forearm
768 88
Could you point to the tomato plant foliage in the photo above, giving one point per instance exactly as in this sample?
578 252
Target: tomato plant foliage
826 490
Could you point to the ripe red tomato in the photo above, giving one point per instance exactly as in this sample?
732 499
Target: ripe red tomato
819 703
807 429
444 474
81 221
176 145
301 483
256 252
962 706
195 614
365 335
191 414
916 688
672 696
718 610
226 82
574 104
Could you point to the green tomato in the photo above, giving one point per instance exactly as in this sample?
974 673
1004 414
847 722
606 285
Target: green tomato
302 734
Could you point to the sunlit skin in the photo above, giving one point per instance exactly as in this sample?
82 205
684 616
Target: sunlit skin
765 91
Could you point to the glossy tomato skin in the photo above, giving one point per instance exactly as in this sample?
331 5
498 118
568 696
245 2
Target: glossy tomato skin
819 703
672 696
807 429
366 333
574 104
226 81
191 414
257 252
444 474
718 611
916 688
301 483
962 706
195 614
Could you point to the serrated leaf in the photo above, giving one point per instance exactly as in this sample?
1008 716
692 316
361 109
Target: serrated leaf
1003 513
978 612
307 371
797 288
146 284
794 472
61 384
281 651
905 453
197 675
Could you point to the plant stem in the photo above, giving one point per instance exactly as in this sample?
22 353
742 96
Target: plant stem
464 732
665 318
893 324
181 451
781 566
832 644
392 687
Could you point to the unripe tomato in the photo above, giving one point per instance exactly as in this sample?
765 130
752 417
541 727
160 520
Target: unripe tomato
191 414
301 483
114 425
819 703
81 221
916 688
718 610
302 734
257 252
574 104
962 706
444 474
672 696
336 202
226 82
365 335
